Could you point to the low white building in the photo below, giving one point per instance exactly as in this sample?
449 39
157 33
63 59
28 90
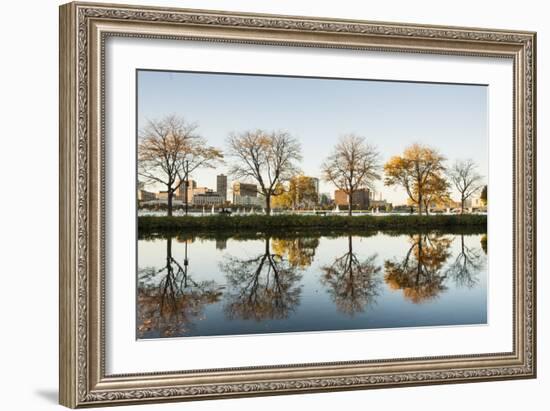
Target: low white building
248 201
380 204
145 195
209 198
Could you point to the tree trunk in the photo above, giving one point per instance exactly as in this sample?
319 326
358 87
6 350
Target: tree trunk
268 204
170 197
419 203
168 250
462 205
350 197
419 259
186 195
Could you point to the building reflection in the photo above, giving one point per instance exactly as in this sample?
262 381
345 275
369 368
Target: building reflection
169 299
264 287
352 282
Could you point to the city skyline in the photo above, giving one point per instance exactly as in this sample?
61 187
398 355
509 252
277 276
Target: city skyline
363 197
314 109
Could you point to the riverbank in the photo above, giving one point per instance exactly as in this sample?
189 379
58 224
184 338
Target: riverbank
278 222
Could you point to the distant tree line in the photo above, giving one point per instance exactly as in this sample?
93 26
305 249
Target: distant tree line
170 149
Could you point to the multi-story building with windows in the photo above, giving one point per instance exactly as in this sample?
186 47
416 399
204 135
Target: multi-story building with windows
143 195
221 186
359 199
245 190
315 182
179 194
247 195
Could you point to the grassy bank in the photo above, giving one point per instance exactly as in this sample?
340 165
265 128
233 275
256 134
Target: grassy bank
301 222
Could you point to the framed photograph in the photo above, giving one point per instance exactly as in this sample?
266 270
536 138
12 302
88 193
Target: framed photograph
259 204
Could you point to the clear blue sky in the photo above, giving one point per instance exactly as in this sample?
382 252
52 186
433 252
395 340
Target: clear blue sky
390 115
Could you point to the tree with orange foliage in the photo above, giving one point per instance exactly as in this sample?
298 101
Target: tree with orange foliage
420 274
419 171
300 251
299 193
436 192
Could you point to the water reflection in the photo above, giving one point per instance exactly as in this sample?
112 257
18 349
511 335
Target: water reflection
168 307
218 284
263 287
483 242
419 273
299 251
466 265
352 282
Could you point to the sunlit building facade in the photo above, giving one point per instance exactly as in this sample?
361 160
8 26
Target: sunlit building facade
359 199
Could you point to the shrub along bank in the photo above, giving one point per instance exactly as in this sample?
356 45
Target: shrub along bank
278 222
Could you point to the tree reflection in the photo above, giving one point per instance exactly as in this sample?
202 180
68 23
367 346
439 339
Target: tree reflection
483 242
420 273
353 284
466 267
170 305
261 288
299 251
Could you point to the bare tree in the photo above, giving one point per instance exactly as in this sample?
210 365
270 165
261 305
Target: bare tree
466 180
465 269
169 300
353 164
353 284
266 287
169 150
268 158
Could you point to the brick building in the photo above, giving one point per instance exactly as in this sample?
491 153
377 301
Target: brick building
359 200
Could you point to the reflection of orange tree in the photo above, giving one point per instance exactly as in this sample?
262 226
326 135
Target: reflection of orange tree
466 266
263 287
419 275
353 284
299 251
483 242
170 305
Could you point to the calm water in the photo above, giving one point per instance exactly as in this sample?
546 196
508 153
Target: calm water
202 285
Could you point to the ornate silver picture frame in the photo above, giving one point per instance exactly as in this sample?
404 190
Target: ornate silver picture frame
84 30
